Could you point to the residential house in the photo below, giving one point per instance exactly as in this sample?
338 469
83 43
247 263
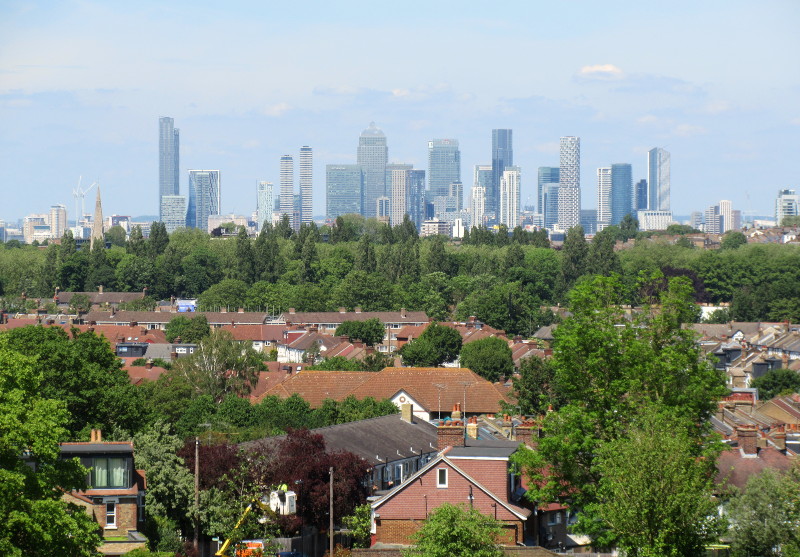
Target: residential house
115 497
99 299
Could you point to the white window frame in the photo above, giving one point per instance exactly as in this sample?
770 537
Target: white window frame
439 482
113 503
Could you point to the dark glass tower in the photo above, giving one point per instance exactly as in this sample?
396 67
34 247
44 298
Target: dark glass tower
168 160
502 158
621 192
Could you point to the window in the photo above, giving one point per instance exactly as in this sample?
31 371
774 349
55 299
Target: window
398 472
111 515
441 477
110 472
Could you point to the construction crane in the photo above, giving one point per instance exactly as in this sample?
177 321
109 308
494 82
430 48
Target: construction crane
80 198
280 501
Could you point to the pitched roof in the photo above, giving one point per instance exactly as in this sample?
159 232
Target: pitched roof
163 317
100 297
421 383
735 468
316 386
381 437
272 333
308 317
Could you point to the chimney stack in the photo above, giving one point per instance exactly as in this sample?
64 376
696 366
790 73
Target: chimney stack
747 436
407 412
450 436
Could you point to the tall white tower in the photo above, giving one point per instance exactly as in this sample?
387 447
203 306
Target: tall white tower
306 184
287 187
509 197
372 156
603 197
658 179
265 203
569 191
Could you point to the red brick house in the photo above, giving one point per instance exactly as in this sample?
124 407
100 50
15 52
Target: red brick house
475 475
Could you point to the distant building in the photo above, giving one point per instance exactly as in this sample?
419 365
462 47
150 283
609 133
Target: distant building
713 220
444 166
621 192
344 185
265 203
306 184
786 205
546 175
415 206
589 221
481 184
372 156
57 221
287 187
510 197
502 158
97 222
603 197
383 209
726 212
204 198
654 220
168 160
640 196
398 185
173 212
658 179
550 204
569 193
696 220
436 227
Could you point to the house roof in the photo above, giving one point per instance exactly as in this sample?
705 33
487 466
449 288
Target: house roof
376 440
272 333
309 317
76 448
163 317
521 513
100 297
316 386
421 383
735 469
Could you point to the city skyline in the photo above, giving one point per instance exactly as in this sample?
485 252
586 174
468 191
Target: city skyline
702 99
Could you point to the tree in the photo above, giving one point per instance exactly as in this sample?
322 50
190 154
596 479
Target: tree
80 303
456 530
776 382
732 240
365 255
654 496
765 518
488 357
226 294
245 257
220 366
136 244
159 239
609 363
371 331
359 524
534 387
35 519
628 227
436 345
188 329
116 236
574 254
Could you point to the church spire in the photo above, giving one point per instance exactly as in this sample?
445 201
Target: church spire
97 222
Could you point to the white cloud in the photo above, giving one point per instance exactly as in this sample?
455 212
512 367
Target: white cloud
601 72
276 109
717 107
648 119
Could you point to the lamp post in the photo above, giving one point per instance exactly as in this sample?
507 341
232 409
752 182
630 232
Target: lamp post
330 525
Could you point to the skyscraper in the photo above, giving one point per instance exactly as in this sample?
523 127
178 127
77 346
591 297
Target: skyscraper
372 156
205 198
444 166
569 193
265 203
502 158
344 186
621 192
550 202
726 212
787 204
398 182
658 179
713 224
416 196
640 196
57 221
603 197
509 197
168 159
481 184
173 212
287 187
306 184
547 175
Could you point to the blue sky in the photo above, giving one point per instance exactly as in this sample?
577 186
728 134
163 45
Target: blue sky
82 84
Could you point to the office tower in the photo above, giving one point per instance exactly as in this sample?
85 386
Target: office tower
306 185
786 205
621 192
372 156
569 193
265 203
383 209
550 203
696 220
640 196
57 221
344 187
726 213
654 220
296 210
477 205
456 191
736 219
547 175
444 166
97 222
205 198
287 187
168 159
174 212
603 197
658 179
416 196
397 186
509 197
713 220
502 157
588 220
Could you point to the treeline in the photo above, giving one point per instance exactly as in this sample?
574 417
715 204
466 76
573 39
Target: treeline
503 279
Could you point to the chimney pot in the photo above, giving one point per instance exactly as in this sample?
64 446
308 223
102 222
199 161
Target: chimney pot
291 311
342 310
357 309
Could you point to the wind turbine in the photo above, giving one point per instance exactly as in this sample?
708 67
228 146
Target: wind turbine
80 194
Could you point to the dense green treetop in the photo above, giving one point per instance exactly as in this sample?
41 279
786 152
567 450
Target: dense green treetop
436 345
371 331
776 382
456 530
488 357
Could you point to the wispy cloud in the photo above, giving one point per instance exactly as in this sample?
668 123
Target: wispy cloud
600 72
278 109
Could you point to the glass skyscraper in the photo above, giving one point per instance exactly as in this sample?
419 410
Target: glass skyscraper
502 158
344 185
265 203
168 160
204 198
547 175
372 156
306 184
569 193
444 166
287 188
621 191
658 179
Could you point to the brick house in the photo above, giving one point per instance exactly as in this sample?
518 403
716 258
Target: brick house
476 475
115 497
